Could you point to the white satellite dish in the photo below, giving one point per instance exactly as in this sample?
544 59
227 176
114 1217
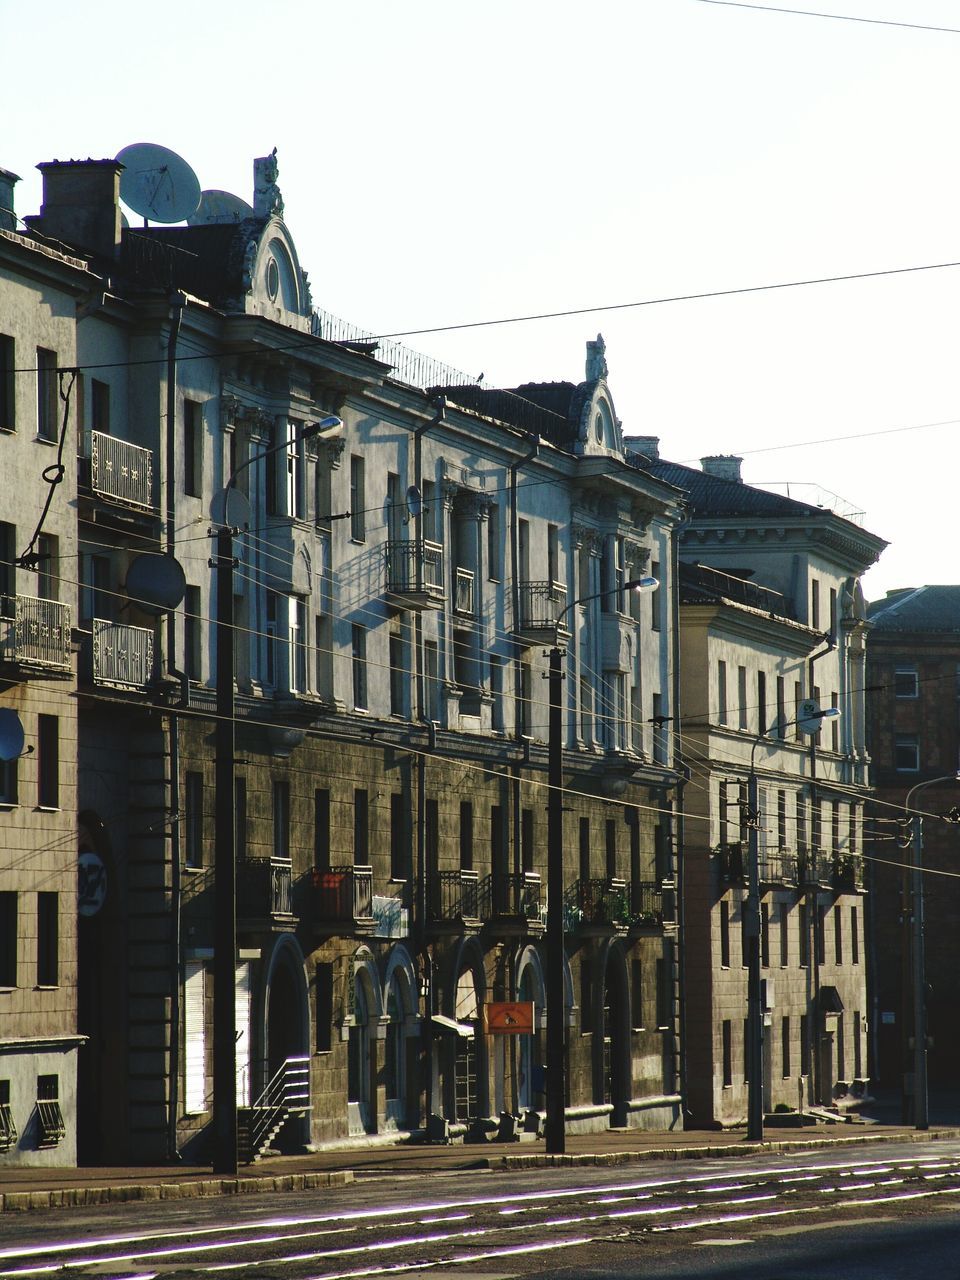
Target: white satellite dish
156 583
11 734
157 183
219 206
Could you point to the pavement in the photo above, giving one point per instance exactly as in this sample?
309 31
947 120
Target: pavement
48 1188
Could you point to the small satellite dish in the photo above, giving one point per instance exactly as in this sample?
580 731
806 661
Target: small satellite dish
156 583
157 183
11 734
219 206
414 502
231 508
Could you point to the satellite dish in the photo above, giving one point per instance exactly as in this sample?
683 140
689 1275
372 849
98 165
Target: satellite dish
157 183
11 734
219 206
156 583
414 502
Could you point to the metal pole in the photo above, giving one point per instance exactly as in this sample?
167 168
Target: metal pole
751 927
555 1136
921 1114
225 884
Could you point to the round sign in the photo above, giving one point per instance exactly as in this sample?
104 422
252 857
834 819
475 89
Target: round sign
92 883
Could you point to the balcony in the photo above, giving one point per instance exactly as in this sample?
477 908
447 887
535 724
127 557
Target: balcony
814 869
35 633
414 573
731 863
265 892
122 655
778 867
541 604
343 899
454 900
511 903
464 602
650 905
121 472
847 873
597 907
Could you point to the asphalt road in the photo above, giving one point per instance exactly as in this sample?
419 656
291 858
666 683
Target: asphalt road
884 1211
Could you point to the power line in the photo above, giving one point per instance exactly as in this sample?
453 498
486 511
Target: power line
839 17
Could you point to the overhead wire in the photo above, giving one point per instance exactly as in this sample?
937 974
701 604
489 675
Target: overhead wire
839 17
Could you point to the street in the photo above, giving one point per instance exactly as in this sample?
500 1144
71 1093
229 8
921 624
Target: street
883 1211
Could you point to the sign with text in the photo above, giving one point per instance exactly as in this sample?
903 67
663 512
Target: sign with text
508 1018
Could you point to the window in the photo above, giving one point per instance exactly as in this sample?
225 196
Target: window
585 868
8 938
321 829
838 934
8 1126
95 598
358 522
905 682
8 384
48 939
656 597
854 936
400 851
820 927
192 448
48 394
834 724
725 934
191 632
636 994
664 990
48 573
494 553
398 682
726 1036
525 708
785 1046
744 935
833 612
802 934
466 835
761 703
359 648
9 783
48 762
8 568
496 693
361 827
857 1045
742 696
297 644
784 934
100 406
431 679
50 1125
781 819
797 699
281 819
781 708
721 692
746 1050
194 1030
660 730
815 604
240 817
295 497
526 839
553 553
193 823
906 753
323 989
498 841
610 841
765 934
804 1045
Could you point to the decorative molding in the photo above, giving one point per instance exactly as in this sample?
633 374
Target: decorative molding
585 535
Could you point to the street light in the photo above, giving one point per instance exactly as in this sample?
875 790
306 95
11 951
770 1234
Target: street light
555 1129
226 1155
808 721
921 1106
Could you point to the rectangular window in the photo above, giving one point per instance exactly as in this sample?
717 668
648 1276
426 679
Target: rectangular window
323 989
400 851
359 652
742 696
553 553
636 994
48 939
397 676
527 845
494 553
498 841
857 1046
726 1036
48 762
100 406
281 819
8 568
841 1050
802 935
296 499
584 846
854 936
781 819
765 934
761 703
297 643
746 1051
721 692
8 383
834 724
240 816
725 934
815 604
95 597
797 699
361 827
193 819
192 448
804 1045
526 694
664 990
48 568
8 938
191 633
906 753
784 934
496 692
820 926
833 612
838 934
358 520
321 829
48 394
431 679
656 597
781 708
744 939
194 1032
785 1046
610 842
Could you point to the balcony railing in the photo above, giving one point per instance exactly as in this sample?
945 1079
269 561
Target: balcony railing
121 471
463 601
778 866
589 903
415 569
510 895
646 902
264 887
847 872
122 654
814 868
344 895
541 604
35 631
455 895
731 859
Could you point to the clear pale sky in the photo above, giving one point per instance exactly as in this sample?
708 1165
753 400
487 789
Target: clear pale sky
443 162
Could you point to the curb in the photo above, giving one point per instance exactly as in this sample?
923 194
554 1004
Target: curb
80 1197
613 1158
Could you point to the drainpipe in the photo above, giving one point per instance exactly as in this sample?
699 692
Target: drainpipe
177 303
534 441
829 646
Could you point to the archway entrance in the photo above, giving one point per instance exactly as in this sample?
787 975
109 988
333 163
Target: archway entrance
615 1049
286 1029
361 1060
468 1057
530 1075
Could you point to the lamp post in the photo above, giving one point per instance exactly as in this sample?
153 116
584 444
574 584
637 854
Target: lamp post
226 1155
555 1091
808 721
921 1105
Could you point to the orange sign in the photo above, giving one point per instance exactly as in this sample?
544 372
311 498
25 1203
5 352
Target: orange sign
508 1018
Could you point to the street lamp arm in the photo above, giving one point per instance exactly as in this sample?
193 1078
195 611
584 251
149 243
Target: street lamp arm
326 426
635 584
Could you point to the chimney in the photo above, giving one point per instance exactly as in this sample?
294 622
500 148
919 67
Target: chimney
81 205
724 466
8 219
649 446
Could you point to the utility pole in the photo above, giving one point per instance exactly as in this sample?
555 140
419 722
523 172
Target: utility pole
556 1032
751 927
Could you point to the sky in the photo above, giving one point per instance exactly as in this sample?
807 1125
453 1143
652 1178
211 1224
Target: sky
445 163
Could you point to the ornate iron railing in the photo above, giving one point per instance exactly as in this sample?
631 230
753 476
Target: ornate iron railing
778 866
122 654
415 566
646 902
121 470
463 602
594 902
509 894
541 604
455 895
35 631
265 887
344 893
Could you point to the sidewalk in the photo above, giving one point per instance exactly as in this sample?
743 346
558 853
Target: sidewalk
39 1188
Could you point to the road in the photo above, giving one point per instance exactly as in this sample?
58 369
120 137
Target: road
884 1211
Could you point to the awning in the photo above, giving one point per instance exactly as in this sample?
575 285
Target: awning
830 1001
444 1023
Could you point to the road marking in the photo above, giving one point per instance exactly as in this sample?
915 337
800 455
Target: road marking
802 1228
719 1243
